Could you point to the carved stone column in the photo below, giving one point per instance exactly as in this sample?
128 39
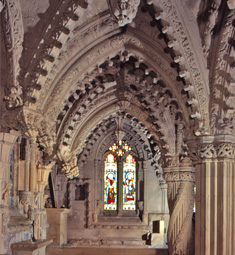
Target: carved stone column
39 212
215 192
180 180
7 143
145 215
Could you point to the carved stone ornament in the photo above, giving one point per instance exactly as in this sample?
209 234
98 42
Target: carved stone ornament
6 193
5 220
180 176
24 197
16 36
14 100
124 10
223 150
231 4
70 168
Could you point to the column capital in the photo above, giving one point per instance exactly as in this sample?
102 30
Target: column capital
212 147
179 174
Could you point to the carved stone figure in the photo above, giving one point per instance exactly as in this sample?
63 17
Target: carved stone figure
124 10
14 100
6 193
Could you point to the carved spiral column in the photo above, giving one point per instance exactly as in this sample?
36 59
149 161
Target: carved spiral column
180 180
215 205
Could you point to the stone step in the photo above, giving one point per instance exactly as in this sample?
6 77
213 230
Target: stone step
105 251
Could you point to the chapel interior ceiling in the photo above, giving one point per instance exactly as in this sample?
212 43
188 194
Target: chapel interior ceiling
81 66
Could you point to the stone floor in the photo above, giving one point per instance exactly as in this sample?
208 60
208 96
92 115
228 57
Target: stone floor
104 251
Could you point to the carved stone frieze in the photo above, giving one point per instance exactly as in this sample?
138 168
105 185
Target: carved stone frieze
17 36
119 226
124 10
179 176
222 150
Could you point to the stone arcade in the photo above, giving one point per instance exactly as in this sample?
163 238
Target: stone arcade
116 116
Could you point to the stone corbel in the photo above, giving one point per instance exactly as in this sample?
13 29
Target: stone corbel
25 199
47 137
29 120
70 168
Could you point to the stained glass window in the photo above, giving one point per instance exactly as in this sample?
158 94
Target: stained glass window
126 175
110 178
120 148
129 183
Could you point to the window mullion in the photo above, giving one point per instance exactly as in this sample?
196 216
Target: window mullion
120 186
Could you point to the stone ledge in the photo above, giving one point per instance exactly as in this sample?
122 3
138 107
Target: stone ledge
30 246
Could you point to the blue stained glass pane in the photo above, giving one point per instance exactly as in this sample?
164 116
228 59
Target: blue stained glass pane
129 184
